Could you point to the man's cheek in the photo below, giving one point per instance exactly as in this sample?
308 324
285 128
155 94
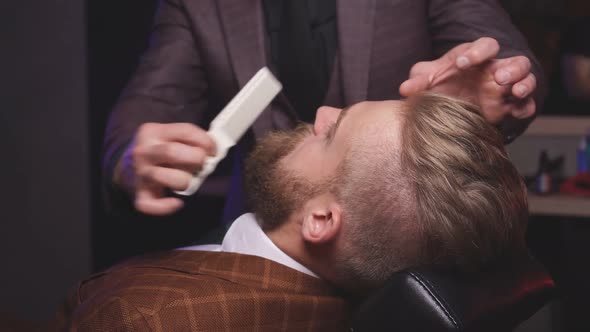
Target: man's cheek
299 154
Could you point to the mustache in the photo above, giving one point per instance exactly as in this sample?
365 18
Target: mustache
278 144
299 132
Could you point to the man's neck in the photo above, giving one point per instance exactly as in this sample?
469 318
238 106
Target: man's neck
288 239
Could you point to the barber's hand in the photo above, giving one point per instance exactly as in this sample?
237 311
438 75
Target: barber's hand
161 157
501 87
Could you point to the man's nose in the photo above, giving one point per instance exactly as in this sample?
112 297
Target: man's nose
324 118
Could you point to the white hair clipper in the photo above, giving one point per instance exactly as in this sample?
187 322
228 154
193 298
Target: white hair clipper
233 121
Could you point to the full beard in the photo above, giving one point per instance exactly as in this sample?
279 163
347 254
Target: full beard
272 192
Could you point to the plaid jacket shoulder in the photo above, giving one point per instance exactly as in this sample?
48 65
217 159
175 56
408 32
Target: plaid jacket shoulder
204 291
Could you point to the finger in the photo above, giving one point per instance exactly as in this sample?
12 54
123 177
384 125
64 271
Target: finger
175 155
526 110
512 70
414 85
480 51
524 88
162 177
192 135
179 132
149 202
496 113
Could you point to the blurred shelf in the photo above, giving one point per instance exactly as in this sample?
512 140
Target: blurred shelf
559 205
559 126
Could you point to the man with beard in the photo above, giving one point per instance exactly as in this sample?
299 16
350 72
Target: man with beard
338 207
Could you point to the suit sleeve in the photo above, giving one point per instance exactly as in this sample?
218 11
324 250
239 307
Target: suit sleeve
115 314
91 306
453 22
169 85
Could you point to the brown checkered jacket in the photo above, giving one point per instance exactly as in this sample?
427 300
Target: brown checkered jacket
203 291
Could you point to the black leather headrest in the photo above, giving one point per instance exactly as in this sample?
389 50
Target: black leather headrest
434 299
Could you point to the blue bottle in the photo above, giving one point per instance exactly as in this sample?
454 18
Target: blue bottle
583 155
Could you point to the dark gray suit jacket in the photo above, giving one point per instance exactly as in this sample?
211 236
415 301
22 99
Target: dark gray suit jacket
203 51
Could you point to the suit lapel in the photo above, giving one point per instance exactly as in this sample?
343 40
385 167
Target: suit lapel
244 30
242 22
355 38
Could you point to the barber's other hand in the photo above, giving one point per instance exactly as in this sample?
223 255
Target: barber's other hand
501 87
161 157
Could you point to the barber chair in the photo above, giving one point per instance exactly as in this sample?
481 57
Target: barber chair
437 300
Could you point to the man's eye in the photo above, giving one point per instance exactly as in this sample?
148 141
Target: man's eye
330 132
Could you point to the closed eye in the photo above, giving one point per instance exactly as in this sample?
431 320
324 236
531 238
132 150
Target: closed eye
330 132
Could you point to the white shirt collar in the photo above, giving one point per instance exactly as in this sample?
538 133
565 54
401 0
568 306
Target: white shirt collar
245 236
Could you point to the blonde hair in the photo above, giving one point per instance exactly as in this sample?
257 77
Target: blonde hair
471 202
449 196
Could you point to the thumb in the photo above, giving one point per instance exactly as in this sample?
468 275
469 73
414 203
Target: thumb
150 201
414 85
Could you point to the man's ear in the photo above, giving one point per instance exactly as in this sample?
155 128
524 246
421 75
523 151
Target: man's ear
321 224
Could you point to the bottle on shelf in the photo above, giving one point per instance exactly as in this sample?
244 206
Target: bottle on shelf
583 155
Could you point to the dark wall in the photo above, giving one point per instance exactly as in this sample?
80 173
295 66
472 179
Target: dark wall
118 34
44 200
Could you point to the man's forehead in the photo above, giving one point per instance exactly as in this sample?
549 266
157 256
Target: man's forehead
375 110
378 120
